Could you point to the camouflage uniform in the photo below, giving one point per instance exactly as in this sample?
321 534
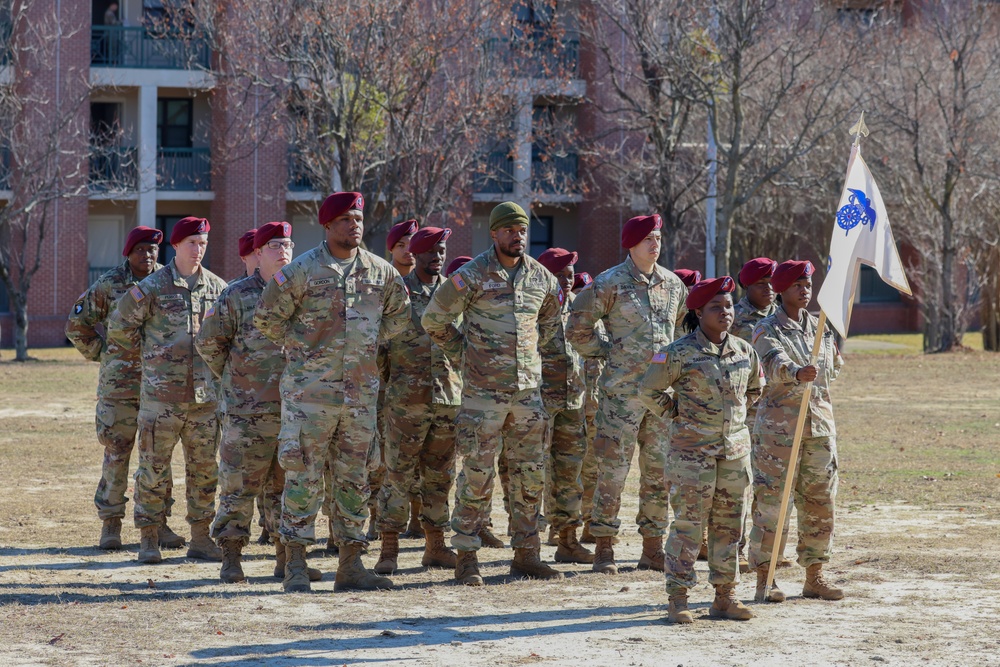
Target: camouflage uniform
422 399
563 393
117 385
329 323
640 316
593 367
161 316
785 346
249 368
705 389
504 322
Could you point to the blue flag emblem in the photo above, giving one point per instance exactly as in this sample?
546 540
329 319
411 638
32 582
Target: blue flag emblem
857 210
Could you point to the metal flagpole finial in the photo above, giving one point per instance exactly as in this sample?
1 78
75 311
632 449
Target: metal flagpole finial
859 130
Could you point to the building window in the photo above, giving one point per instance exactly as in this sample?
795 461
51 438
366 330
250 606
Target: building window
540 235
174 123
871 289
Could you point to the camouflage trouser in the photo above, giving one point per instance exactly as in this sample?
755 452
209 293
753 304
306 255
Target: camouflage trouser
705 491
566 444
519 422
340 435
248 469
814 493
117 424
419 445
622 422
377 472
160 426
588 473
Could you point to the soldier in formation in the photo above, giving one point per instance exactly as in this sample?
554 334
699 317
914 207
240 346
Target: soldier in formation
329 308
784 343
702 383
160 317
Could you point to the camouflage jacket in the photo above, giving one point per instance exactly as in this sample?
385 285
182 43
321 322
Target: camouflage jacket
563 382
784 347
706 388
248 364
419 371
330 324
747 317
639 315
503 324
161 316
121 367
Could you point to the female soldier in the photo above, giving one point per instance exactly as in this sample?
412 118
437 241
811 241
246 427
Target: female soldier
704 382
784 342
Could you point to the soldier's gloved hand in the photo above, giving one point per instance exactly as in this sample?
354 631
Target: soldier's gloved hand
290 456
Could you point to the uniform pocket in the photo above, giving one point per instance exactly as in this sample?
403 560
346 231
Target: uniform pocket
468 426
147 431
290 455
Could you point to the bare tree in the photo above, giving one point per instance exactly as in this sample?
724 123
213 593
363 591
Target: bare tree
43 135
934 87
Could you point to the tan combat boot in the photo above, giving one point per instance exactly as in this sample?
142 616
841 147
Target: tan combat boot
331 542
585 536
149 550
296 576
727 605
527 564
168 538
279 564
817 587
372 533
232 555
352 575
111 534
490 540
774 595
389 556
414 531
264 537
742 557
436 553
570 550
652 554
604 556
467 569
678 611
202 547
553 539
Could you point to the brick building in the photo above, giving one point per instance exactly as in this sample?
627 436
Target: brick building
154 92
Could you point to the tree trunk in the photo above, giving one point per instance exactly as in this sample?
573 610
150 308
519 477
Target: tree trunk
990 311
20 307
668 251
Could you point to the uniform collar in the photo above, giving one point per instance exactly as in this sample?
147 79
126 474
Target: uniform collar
748 307
360 260
499 269
181 281
788 323
417 285
656 277
725 348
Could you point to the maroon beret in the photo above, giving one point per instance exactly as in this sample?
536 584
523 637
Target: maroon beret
455 264
141 235
426 238
703 291
246 243
398 231
755 269
688 276
271 230
788 272
557 259
638 228
338 204
581 280
189 226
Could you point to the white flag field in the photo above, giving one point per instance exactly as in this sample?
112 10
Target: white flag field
861 235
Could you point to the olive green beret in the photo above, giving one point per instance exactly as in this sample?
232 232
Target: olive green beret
507 213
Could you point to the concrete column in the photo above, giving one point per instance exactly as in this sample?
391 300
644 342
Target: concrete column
147 145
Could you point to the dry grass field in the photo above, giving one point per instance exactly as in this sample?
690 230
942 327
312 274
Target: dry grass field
917 551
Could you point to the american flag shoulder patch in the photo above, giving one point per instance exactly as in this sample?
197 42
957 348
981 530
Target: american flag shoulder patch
757 334
210 311
279 277
458 282
562 296
660 358
137 294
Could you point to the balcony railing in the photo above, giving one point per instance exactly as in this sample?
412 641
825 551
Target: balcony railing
184 169
146 48
299 178
497 174
114 168
554 174
539 58
4 168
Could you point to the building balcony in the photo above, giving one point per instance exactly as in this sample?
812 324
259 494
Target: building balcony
114 169
188 169
554 174
539 58
496 175
147 48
